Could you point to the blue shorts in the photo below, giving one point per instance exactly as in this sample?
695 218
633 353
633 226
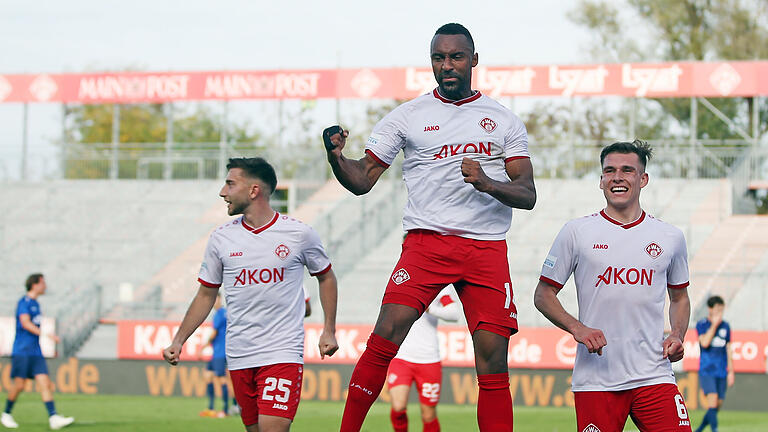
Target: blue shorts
28 366
218 365
710 384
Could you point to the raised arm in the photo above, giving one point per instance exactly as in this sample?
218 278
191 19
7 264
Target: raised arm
706 339
328 295
196 313
357 176
519 192
679 314
546 301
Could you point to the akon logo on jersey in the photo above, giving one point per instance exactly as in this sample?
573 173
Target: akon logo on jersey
257 276
453 150
625 276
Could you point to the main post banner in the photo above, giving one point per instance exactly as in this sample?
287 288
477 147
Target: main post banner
530 348
658 80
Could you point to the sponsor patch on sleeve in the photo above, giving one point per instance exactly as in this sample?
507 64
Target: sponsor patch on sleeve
372 140
550 261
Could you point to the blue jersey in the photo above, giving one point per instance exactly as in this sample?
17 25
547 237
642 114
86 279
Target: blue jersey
220 325
26 343
713 361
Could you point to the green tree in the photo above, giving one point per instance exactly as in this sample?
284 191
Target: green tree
142 134
679 30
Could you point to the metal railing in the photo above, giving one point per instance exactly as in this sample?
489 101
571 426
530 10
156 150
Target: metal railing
77 318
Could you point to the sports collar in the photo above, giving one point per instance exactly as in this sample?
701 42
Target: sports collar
459 102
636 222
261 228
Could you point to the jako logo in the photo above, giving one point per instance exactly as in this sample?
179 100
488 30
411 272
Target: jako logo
600 246
431 128
234 254
624 276
400 276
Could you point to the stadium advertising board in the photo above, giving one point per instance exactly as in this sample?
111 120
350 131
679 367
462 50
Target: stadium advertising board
679 79
530 348
328 382
8 333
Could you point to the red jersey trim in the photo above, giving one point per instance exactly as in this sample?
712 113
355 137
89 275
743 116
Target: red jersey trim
260 229
510 159
680 286
376 158
636 222
549 281
459 102
208 284
321 272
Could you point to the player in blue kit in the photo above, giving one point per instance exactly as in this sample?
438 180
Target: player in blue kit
216 370
715 362
27 360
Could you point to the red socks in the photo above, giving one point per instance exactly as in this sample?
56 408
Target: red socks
494 403
433 426
399 420
367 381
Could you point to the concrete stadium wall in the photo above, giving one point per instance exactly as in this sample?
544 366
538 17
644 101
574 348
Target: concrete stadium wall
329 382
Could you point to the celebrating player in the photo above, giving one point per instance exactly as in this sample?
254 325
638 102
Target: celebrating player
715 361
623 262
216 370
259 259
466 166
27 361
418 360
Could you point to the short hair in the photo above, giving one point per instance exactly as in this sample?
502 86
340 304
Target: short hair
715 300
641 148
456 29
33 279
257 168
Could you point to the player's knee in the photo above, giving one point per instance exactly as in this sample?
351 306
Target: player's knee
428 415
395 321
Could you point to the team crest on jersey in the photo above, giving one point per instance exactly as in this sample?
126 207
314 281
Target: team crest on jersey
282 251
654 250
488 124
400 276
591 428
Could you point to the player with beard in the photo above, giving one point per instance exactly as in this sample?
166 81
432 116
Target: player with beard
466 167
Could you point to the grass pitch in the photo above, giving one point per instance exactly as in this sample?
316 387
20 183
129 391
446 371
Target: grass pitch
175 414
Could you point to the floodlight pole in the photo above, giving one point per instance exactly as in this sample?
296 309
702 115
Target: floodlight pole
24 141
114 166
693 168
167 174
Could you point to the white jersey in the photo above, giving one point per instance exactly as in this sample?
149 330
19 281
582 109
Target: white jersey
435 134
421 344
622 272
261 271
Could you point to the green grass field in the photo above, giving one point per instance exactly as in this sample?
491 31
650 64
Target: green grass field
172 414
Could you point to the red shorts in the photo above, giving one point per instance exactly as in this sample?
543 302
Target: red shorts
478 269
653 408
428 377
268 390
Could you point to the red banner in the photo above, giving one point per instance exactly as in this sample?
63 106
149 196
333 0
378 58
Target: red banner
530 348
680 79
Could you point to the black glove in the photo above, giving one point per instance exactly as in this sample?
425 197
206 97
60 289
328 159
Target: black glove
335 129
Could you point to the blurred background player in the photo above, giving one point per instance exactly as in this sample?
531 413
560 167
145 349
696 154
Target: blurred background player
418 360
216 370
463 183
715 361
259 259
624 263
27 361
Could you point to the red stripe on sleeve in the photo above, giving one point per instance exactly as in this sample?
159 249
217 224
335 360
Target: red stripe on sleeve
680 286
322 272
208 284
549 281
376 158
510 159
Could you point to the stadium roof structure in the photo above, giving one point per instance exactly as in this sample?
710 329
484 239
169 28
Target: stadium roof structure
651 80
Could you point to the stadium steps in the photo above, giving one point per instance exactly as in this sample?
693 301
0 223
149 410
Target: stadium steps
733 252
102 343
